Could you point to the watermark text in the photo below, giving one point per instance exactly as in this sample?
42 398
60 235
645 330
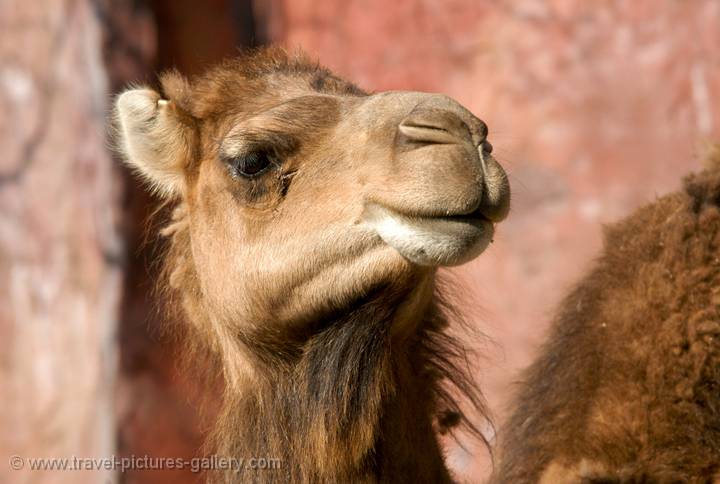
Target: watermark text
144 462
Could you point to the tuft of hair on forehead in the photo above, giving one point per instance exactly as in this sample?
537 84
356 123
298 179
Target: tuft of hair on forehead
247 76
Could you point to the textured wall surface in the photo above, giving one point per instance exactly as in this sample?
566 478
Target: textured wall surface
594 108
60 249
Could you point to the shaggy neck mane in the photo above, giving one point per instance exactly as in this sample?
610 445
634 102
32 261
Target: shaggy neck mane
344 404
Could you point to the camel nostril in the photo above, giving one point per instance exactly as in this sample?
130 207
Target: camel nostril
486 147
426 134
433 125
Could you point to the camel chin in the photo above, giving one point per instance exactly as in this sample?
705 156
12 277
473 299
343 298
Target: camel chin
431 241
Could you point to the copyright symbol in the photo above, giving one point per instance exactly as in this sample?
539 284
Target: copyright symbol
16 463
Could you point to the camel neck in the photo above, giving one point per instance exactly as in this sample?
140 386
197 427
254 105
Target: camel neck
355 404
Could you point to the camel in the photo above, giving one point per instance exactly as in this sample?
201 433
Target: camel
626 388
309 219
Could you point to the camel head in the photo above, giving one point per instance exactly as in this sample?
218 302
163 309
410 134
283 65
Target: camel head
301 192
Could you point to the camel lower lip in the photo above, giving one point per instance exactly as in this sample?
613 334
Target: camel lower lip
431 240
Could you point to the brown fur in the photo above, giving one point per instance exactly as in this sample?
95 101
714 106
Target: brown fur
331 344
627 386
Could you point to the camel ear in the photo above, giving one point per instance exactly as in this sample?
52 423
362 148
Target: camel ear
156 139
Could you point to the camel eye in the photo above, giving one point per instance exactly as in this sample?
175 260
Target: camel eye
250 164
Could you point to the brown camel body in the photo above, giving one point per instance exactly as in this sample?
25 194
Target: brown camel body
309 220
627 387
